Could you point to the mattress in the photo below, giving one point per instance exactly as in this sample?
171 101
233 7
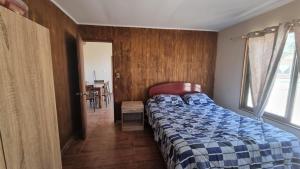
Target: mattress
209 136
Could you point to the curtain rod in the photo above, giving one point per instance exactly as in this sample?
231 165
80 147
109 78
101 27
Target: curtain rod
264 31
256 33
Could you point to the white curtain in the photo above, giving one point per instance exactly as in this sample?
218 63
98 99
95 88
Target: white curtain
264 55
260 52
297 37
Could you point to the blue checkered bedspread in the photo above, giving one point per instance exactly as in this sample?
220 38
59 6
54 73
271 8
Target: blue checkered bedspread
210 136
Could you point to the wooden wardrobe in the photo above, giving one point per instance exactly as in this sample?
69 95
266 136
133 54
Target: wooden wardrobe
28 121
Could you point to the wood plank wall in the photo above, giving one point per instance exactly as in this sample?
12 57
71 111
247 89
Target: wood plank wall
145 57
63 33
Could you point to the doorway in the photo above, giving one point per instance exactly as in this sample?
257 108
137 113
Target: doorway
98 73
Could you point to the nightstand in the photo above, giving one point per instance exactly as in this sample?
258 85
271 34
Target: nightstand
132 115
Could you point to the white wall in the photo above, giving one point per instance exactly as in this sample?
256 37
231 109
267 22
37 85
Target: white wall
98 57
230 55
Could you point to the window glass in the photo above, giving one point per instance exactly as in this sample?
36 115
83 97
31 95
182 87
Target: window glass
277 102
296 108
249 98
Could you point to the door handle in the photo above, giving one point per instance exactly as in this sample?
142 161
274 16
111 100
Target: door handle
117 75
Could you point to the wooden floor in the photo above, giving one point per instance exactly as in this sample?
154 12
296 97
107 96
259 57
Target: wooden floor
107 147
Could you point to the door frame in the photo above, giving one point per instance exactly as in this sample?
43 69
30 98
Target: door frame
83 113
82 91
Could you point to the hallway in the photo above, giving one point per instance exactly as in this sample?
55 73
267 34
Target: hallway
107 147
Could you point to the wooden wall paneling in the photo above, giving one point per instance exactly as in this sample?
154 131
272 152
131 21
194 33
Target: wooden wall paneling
28 119
137 64
61 28
154 58
145 57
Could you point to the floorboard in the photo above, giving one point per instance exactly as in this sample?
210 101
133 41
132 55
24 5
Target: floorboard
107 147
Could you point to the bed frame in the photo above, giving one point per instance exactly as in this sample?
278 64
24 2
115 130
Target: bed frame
176 88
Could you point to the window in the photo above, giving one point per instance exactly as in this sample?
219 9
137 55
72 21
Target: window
285 93
296 107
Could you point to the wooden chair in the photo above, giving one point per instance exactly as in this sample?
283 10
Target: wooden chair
108 88
106 93
89 96
93 96
89 87
97 91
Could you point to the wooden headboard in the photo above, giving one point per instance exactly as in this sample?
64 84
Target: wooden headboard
176 88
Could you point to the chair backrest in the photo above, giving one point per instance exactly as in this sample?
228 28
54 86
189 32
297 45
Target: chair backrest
98 81
106 87
89 87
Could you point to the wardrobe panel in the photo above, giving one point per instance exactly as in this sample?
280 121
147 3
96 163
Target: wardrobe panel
2 158
28 119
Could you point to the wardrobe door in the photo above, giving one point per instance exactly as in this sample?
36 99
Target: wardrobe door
28 119
2 159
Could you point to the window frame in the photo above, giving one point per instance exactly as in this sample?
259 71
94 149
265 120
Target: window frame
245 86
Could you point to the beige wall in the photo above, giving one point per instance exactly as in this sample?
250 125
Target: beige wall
230 54
98 57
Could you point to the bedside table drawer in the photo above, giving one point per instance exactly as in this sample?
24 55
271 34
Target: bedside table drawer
132 115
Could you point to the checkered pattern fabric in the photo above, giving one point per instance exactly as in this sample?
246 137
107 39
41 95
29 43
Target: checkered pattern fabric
197 99
213 137
168 99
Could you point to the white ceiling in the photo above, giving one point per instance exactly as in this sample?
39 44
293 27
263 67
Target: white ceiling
213 15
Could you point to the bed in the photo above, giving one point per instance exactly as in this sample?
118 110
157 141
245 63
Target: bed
210 136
